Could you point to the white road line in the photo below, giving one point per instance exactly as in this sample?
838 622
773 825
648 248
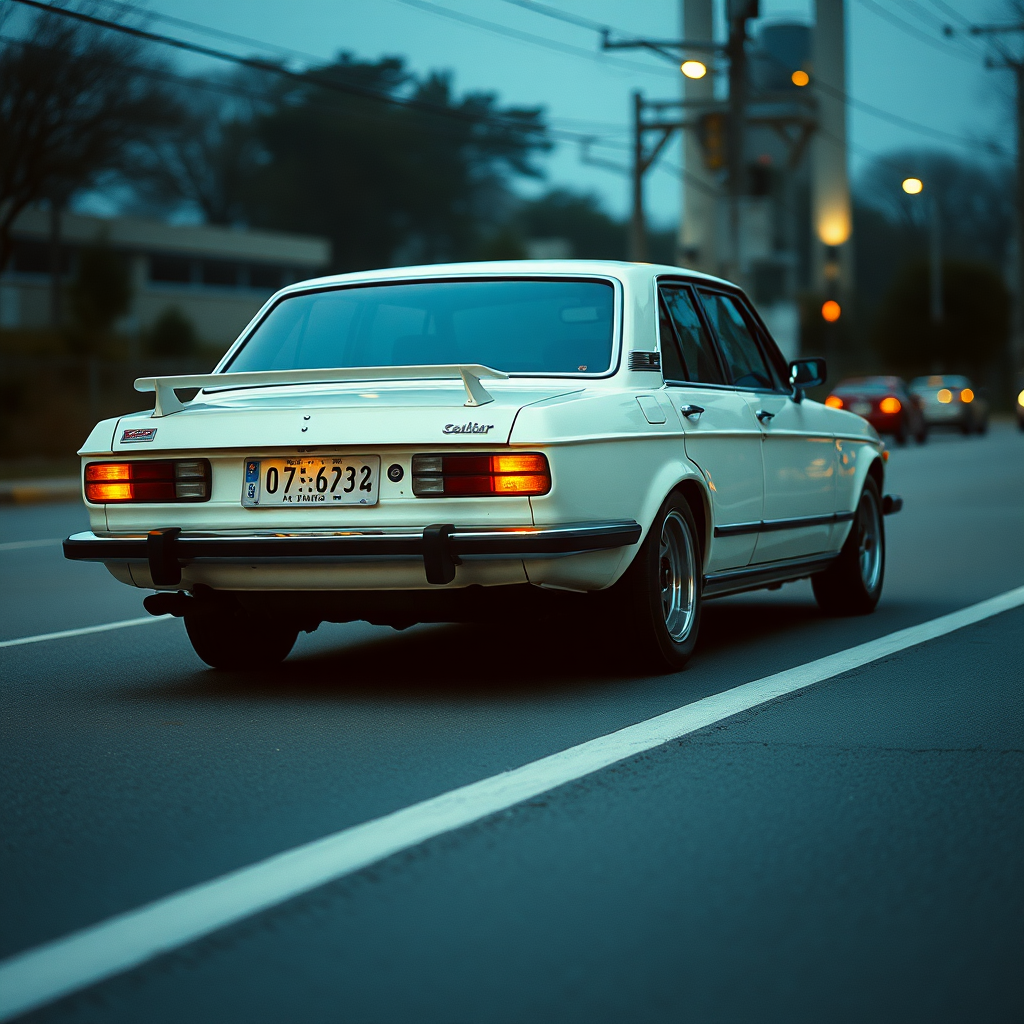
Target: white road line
41 975
21 545
106 627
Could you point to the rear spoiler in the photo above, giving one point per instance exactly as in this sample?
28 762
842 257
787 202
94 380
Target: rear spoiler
167 402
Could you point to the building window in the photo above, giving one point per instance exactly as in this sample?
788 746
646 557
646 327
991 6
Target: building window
170 269
32 257
220 273
262 275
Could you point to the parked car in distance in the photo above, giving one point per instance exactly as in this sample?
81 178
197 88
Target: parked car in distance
603 443
885 403
951 401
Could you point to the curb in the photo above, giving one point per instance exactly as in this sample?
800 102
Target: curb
34 492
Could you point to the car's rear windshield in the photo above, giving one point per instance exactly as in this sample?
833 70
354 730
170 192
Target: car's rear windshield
932 383
534 326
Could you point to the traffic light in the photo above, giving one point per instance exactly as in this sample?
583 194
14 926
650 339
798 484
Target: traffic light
713 135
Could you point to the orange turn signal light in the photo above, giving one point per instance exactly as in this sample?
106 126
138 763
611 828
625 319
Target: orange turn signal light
834 402
966 395
890 405
477 476
147 480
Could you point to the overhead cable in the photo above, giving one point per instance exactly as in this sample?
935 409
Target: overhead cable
914 31
312 77
529 37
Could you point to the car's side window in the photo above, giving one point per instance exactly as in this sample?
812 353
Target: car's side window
699 362
671 362
744 362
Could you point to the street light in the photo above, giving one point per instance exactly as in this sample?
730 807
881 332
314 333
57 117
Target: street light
800 78
693 68
913 187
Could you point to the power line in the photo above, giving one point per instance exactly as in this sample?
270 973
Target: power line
314 77
923 14
208 30
559 15
950 12
913 30
193 26
529 37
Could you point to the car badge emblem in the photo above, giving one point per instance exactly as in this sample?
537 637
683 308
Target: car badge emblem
137 434
467 428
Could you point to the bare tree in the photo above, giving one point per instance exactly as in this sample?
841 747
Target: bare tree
206 162
74 102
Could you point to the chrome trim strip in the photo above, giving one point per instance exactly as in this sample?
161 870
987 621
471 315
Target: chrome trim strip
754 577
771 525
471 541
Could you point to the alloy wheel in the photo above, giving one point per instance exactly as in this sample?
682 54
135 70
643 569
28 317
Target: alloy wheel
869 541
676 568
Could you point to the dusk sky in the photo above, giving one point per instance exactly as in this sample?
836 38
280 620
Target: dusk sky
898 61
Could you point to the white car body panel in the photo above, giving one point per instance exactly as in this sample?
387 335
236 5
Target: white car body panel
617 444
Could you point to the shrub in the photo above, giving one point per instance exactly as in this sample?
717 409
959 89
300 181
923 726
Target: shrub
172 334
975 326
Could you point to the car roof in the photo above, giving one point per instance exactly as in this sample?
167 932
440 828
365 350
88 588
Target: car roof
621 270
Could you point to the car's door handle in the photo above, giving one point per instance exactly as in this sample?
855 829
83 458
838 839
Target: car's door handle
691 410
764 415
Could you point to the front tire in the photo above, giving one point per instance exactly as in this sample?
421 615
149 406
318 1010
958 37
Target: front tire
661 590
232 642
852 584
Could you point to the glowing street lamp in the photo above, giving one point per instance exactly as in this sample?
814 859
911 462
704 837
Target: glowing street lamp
693 68
831 311
800 78
913 187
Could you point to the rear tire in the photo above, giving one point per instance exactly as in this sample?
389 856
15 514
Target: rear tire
231 642
660 594
852 584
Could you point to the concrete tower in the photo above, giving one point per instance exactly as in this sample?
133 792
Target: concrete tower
831 215
698 232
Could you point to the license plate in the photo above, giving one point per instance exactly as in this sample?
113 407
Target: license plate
861 408
316 480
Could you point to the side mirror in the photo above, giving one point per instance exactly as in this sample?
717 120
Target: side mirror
807 373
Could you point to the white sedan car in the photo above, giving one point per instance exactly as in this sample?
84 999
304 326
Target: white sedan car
477 441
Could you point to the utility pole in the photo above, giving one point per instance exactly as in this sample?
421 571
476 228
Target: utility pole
740 12
1015 64
935 254
637 223
736 50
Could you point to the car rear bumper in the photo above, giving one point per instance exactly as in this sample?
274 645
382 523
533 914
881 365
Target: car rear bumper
441 546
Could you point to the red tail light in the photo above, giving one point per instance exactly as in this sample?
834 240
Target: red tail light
147 481
477 476
890 405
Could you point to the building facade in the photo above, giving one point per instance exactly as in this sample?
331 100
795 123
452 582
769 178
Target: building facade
217 277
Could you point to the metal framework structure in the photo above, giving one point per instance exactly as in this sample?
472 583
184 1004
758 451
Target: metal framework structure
720 124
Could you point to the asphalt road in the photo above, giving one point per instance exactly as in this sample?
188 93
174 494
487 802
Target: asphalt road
854 851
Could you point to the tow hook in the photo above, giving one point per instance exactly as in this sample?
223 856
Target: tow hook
891 504
178 605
